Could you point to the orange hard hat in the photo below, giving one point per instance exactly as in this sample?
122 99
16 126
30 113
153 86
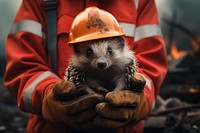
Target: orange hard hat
94 23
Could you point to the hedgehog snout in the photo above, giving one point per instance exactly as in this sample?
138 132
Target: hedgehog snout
101 64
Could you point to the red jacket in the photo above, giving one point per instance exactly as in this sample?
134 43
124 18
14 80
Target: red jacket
28 74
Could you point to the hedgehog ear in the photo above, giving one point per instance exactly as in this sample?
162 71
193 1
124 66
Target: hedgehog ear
121 43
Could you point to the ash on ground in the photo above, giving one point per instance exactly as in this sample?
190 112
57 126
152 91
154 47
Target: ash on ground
173 116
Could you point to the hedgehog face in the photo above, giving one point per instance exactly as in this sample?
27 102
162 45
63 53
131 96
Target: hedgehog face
100 57
100 54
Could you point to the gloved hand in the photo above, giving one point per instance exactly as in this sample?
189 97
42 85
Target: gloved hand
60 106
124 107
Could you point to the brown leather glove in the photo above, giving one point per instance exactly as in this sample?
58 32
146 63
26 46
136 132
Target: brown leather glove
60 106
124 107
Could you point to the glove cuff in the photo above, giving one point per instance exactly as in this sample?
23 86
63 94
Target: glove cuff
50 86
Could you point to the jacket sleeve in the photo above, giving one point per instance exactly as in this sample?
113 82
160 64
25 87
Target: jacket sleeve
27 74
150 49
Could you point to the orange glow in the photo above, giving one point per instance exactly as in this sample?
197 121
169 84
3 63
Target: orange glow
189 90
193 90
175 54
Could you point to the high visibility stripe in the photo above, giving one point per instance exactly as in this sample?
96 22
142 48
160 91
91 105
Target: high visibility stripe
146 31
27 97
148 82
27 26
136 4
128 28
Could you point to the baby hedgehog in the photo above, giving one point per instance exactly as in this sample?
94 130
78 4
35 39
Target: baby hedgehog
101 65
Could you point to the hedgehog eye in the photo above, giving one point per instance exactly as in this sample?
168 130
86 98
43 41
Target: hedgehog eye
110 50
89 52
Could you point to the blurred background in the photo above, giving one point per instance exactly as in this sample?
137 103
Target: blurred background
8 10
177 107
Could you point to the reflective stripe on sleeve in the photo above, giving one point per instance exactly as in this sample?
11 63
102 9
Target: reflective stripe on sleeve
146 31
27 26
148 82
128 28
136 4
27 97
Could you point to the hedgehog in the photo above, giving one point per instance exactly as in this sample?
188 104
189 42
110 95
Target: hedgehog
101 65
